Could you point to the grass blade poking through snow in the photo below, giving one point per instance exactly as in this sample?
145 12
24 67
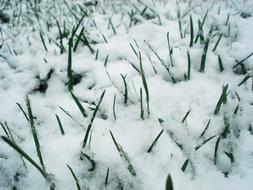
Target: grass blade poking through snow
217 43
185 165
185 117
216 151
79 105
43 41
155 142
20 151
207 125
222 100
145 85
191 31
169 183
189 66
170 49
141 104
92 119
75 178
203 59
20 107
126 90
124 156
113 108
220 63
107 176
60 124
34 133
69 69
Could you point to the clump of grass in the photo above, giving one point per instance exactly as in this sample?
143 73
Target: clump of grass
34 132
75 178
60 124
144 82
222 100
155 142
92 119
124 156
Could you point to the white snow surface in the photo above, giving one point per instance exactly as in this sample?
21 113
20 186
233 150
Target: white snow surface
24 62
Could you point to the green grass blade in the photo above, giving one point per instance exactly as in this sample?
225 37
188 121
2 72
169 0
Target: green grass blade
145 85
155 142
222 100
20 107
43 41
107 176
203 143
79 105
60 124
189 66
126 90
217 43
169 183
75 178
34 133
185 117
20 151
124 156
191 31
92 119
203 59
185 165
207 125
216 150
220 63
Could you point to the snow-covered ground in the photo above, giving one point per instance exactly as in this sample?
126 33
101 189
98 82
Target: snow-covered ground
199 129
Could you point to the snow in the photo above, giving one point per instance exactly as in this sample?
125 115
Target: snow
24 63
